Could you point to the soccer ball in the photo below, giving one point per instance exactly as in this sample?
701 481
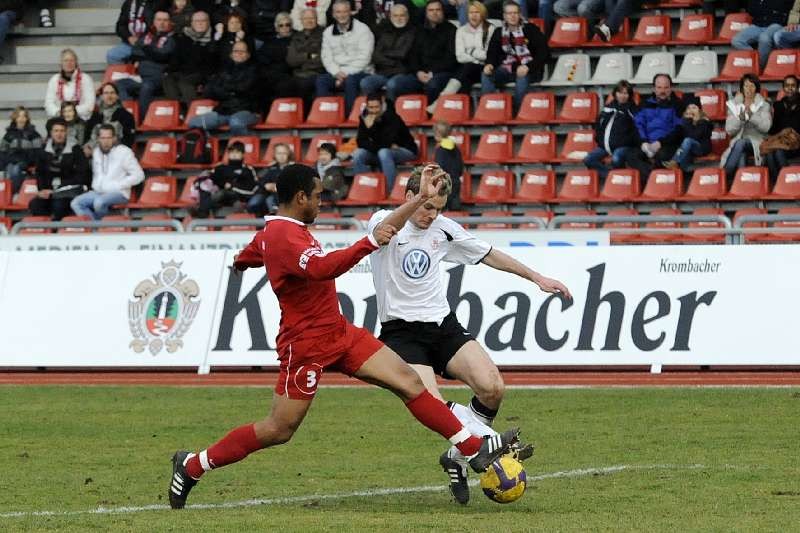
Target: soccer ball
504 481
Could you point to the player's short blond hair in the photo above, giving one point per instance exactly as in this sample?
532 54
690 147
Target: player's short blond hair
416 174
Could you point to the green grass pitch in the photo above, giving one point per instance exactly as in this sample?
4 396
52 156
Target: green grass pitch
678 459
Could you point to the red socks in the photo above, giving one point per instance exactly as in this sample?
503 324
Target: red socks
233 447
434 414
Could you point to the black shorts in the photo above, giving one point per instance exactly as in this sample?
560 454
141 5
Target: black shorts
426 343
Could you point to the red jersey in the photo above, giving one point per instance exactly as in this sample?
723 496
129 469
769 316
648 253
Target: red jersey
301 275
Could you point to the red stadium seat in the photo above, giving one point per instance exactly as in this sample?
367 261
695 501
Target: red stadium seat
462 140
697 29
284 113
780 64
719 143
579 225
159 191
35 231
751 237
114 73
537 147
495 187
577 146
452 108
199 107
213 144
117 229
579 186
5 221
787 187
739 63
780 237
536 108
159 152
319 223
27 192
318 140
494 146
578 108
421 140
539 23
713 103
707 183
733 24
493 108
618 40
242 216
252 149
326 112
162 115
663 185
652 30
466 188
397 195
355 113
132 107
186 198
705 238
75 218
622 185
6 193
292 140
536 187
617 237
544 214
493 225
149 229
368 189
661 238
569 32
412 108
750 183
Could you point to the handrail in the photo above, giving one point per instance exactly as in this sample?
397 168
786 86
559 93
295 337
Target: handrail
539 221
259 222
96 224
597 219
744 219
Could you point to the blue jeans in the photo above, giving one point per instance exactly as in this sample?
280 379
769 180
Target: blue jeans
374 83
594 160
501 76
387 158
686 153
588 9
776 160
263 203
96 205
759 37
7 19
16 172
737 157
545 11
786 39
146 90
326 86
239 121
119 54
408 84
617 10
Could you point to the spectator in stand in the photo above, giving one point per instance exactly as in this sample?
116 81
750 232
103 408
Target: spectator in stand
192 63
319 7
265 200
472 43
615 132
347 47
304 57
591 10
331 172
70 85
232 31
383 139
657 121
769 18
135 17
76 128
433 58
393 47
616 10
235 88
180 13
62 173
262 18
747 124
235 184
114 171
152 53
517 52
19 147
110 111
789 36
10 12
222 9
274 70
695 132
786 115
448 156
373 13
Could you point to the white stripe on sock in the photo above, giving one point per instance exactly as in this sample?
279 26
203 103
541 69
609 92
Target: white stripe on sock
460 437
204 460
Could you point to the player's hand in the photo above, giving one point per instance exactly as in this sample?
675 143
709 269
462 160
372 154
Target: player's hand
384 233
431 180
235 269
553 286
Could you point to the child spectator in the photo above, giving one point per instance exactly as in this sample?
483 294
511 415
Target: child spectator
448 156
19 147
266 198
330 170
695 131
235 182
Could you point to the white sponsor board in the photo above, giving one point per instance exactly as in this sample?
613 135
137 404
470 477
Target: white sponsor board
716 305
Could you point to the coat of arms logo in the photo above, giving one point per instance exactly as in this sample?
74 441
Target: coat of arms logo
163 310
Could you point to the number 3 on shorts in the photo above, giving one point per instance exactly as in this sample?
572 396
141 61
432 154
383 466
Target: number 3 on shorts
311 379
307 377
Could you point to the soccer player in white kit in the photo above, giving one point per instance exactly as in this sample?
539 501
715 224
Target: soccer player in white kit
416 320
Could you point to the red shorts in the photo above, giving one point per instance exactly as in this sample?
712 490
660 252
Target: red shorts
303 361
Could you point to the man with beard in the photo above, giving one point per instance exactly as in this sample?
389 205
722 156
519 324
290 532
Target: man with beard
786 115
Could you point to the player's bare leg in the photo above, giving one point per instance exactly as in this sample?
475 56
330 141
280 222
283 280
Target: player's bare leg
473 366
428 377
386 369
285 417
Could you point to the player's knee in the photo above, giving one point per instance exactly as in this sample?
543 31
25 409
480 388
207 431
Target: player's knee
411 386
272 433
493 390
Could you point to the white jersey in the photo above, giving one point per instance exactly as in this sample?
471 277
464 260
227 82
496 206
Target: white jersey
406 274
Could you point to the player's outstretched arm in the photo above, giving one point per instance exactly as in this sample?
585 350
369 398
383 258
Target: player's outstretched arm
502 261
430 181
315 264
250 257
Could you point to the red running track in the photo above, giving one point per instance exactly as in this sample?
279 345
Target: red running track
530 379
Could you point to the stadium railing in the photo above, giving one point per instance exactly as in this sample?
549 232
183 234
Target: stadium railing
96 224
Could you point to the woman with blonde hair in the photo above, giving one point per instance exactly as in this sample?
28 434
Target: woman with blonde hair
19 147
70 85
472 42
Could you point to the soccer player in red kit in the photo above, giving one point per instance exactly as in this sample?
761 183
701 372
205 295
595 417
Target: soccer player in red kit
314 336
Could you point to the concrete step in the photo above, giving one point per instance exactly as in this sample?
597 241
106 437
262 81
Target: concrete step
20 31
29 94
62 41
44 54
86 17
43 73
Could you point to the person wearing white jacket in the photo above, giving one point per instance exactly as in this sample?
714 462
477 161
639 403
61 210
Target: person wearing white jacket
114 171
347 47
70 85
472 41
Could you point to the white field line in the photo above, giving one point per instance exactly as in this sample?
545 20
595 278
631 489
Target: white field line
292 500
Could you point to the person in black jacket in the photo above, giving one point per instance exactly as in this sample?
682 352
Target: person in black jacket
382 138
62 173
233 30
394 39
273 67
135 17
192 62
693 139
19 147
304 56
786 115
517 52
432 61
235 183
235 90
615 131
110 111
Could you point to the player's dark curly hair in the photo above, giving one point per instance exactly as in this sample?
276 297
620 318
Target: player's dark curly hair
413 182
293 179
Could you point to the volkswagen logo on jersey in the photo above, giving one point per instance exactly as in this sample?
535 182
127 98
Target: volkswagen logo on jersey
416 263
